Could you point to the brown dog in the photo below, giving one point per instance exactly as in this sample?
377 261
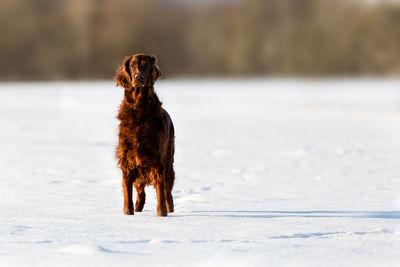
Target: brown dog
145 151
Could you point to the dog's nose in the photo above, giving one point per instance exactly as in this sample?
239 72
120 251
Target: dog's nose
138 77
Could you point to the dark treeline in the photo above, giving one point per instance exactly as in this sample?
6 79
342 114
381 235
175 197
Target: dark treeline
75 39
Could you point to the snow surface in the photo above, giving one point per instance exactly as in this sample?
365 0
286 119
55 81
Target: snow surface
270 172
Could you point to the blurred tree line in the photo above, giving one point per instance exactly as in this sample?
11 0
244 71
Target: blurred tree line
87 39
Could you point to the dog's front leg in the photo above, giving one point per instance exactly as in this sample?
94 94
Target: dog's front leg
160 188
127 184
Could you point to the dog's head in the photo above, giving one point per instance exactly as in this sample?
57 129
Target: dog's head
138 71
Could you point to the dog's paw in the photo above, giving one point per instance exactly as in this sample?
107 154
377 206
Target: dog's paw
170 209
162 212
128 211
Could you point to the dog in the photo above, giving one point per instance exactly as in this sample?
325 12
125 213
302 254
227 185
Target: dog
145 151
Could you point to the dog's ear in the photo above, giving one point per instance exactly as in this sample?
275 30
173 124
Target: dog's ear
156 72
124 76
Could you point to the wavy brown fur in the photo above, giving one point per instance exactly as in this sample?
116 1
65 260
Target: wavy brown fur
145 150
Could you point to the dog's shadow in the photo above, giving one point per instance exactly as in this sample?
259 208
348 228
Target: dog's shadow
263 214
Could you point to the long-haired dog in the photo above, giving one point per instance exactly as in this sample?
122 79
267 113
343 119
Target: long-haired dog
145 151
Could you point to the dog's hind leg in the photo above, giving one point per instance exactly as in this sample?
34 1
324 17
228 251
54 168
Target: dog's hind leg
141 197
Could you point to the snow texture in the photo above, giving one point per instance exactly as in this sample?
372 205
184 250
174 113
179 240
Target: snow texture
270 172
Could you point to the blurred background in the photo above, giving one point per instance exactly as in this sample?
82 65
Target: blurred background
84 40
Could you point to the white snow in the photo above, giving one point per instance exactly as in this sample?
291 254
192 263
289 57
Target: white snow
270 172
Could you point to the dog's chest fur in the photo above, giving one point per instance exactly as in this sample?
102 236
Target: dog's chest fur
140 134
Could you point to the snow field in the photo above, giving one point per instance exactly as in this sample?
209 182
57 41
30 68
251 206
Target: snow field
270 172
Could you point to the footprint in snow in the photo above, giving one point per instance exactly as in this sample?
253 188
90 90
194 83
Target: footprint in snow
20 229
83 249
